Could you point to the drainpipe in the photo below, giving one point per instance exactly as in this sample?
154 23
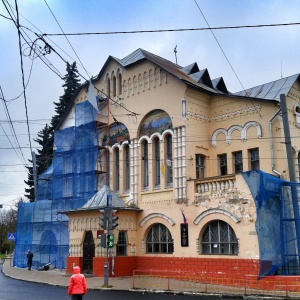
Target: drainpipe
272 145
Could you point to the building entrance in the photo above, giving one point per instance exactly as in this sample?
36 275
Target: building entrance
88 253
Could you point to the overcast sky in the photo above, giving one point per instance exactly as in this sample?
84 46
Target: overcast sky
257 55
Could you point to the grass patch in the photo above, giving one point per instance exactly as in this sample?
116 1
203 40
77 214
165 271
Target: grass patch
106 286
2 255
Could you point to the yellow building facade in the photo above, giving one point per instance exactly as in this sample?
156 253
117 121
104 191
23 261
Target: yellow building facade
173 146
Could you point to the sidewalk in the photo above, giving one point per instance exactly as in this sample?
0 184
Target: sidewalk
57 277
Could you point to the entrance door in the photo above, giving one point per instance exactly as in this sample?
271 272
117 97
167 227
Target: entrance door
88 252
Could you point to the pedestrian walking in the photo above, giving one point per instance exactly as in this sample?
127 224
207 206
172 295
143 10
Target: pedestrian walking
29 259
77 285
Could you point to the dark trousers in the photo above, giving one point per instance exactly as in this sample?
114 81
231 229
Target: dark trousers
77 296
29 263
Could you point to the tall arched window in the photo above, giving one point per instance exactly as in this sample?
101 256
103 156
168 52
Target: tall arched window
145 165
120 83
108 87
117 169
157 162
169 160
220 239
127 168
114 85
159 240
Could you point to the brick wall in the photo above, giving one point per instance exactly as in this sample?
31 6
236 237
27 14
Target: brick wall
77 261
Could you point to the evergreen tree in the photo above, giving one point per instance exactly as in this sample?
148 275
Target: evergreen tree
46 135
71 85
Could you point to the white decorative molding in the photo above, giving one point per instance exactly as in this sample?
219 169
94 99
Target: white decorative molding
243 131
232 216
215 134
250 124
156 215
233 114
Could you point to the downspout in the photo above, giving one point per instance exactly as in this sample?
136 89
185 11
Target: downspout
272 145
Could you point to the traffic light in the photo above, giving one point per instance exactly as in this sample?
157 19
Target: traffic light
103 219
112 219
110 240
115 218
102 238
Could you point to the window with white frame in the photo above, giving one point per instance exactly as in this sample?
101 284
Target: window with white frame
145 160
127 168
219 238
117 169
157 162
169 159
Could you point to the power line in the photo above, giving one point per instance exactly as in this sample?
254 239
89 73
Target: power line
67 38
224 53
174 30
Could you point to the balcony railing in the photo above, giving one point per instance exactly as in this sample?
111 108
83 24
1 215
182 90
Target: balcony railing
215 184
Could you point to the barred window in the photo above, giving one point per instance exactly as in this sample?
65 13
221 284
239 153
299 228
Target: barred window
220 239
159 240
122 244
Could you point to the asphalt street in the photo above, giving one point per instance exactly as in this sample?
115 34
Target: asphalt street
13 289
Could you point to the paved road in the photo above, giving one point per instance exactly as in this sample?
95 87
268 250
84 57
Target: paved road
12 289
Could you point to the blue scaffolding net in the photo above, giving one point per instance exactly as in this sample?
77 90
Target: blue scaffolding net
277 223
67 184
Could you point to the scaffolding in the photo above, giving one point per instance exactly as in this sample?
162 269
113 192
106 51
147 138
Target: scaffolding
275 223
67 184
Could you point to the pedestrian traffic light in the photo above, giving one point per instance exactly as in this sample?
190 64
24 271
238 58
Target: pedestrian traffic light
102 238
110 240
103 219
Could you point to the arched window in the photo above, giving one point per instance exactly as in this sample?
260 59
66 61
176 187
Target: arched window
159 240
127 168
117 169
145 165
219 238
114 85
108 87
157 162
169 160
120 83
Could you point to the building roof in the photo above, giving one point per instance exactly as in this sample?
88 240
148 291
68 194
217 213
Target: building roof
99 201
194 77
182 73
271 90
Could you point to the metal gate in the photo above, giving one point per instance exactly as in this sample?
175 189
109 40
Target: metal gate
88 253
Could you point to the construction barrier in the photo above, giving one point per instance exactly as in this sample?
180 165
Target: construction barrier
214 283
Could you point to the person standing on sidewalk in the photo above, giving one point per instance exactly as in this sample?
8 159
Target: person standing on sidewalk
77 285
29 259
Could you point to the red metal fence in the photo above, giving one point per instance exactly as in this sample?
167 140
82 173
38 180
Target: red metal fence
219 283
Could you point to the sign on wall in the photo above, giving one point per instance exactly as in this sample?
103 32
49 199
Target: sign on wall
184 235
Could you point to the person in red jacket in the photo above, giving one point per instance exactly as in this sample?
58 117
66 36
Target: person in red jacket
77 285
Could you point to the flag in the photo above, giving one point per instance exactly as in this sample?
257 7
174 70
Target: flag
184 218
